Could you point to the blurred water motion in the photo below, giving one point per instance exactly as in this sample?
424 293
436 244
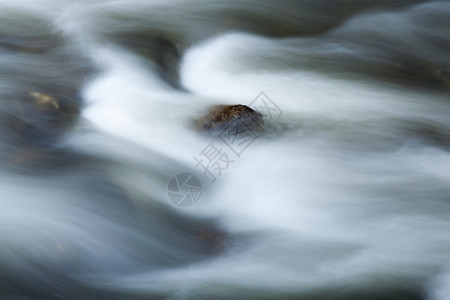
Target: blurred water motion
344 196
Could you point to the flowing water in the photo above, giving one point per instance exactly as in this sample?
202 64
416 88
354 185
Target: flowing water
346 194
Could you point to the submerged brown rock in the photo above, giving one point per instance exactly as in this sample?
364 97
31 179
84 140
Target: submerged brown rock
223 116
39 119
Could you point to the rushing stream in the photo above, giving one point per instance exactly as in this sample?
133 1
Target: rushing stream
344 196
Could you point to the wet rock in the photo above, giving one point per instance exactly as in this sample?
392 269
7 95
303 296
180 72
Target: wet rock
429 134
222 117
212 237
168 61
38 119
45 101
162 52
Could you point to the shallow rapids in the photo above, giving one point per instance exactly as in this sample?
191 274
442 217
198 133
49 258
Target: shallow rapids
345 195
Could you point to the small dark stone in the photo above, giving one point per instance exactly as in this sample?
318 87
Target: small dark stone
223 116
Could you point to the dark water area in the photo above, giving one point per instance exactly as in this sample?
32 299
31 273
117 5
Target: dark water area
344 195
